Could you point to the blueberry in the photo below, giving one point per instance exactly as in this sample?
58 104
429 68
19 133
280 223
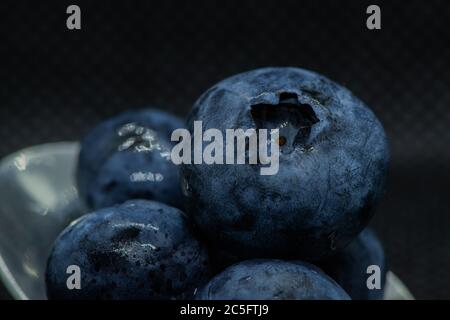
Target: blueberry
126 175
137 250
348 267
333 163
128 156
272 280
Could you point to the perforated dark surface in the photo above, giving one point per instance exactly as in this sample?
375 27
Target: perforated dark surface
55 84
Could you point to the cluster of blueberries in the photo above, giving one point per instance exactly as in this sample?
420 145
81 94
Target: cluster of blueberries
215 231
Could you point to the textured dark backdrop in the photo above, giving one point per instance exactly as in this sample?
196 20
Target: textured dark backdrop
56 83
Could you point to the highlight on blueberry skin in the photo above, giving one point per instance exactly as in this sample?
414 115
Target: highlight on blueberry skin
348 267
137 250
332 167
272 280
128 157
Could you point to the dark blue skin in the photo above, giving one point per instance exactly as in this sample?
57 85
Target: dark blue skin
348 267
104 171
137 250
333 164
119 180
272 280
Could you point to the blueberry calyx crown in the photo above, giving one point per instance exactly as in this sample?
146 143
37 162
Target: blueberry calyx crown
293 119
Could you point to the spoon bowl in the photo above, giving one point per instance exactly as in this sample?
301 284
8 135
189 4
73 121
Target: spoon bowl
38 199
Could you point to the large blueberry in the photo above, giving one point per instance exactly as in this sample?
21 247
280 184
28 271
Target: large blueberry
272 280
333 163
128 156
137 250
348 267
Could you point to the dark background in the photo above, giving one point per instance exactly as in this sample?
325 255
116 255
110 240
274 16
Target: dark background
55 84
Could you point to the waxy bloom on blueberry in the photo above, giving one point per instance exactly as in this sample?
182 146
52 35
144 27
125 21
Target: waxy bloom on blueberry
332 167
128 157
272 280
137 250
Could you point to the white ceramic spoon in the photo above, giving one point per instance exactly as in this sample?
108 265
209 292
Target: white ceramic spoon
38 199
